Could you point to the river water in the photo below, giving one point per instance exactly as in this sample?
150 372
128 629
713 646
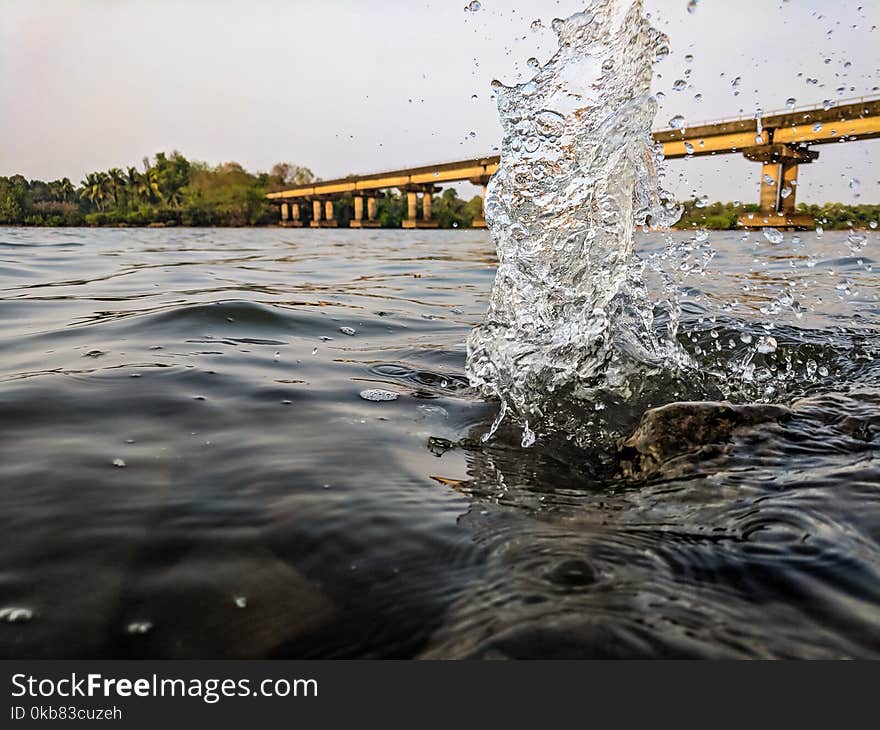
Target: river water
187 468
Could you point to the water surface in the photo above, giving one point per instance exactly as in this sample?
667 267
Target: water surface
187 468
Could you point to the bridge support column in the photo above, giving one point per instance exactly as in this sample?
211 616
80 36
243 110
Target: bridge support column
779 165
295 215
412 219
358 220
411 203
285 213
482 181
316 214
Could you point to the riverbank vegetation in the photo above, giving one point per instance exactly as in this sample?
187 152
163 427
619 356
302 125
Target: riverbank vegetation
724 216
171 190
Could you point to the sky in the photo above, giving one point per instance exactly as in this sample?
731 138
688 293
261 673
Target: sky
347 86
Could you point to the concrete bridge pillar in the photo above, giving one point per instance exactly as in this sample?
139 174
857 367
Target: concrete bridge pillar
285 213
411 202
779 171
297 220
789 183
358 220
482 181
412 219
316 214
328 210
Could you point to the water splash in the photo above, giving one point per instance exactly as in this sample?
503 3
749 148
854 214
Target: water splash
569 315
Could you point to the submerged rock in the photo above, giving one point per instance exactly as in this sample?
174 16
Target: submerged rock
666 435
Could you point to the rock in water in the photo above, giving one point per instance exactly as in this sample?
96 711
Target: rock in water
676 430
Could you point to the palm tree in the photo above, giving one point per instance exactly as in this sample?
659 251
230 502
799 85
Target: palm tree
148 185
116 180
66 189
132 184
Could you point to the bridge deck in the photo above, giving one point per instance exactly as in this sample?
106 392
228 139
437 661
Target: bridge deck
851 120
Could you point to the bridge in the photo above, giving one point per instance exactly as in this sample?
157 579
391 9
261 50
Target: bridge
780 141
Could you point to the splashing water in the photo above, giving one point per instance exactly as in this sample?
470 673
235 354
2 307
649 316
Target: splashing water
568 316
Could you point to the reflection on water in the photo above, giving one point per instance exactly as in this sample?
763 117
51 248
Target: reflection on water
188 469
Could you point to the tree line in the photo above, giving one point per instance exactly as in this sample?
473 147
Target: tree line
724 216
171 190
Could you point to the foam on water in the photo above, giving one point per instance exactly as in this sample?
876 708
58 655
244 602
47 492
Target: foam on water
579 171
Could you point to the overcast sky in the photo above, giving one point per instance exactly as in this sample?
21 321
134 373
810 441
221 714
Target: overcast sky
348 86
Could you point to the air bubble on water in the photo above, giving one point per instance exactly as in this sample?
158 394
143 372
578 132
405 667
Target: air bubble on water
377 395
774 235
139 627
16 614
677 122
119 463
350 331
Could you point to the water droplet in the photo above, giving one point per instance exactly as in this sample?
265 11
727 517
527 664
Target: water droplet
745 338
819 231
473 6
119 463
376 395
698 97
557 24
774 235
16 614
689 58
692 6
872 224
528 436
350 331
241 601
688 148
785 192
139 627
736 82
679 85
531 63
536 25
314 350
677 122
790 102
854 184
277 356
823 371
